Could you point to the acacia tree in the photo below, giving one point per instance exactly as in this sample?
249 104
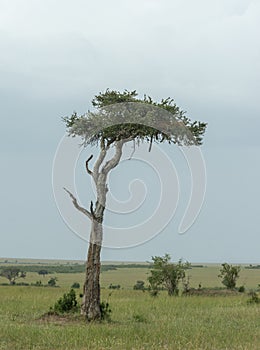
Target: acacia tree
229 275
165 274
121 117
12 274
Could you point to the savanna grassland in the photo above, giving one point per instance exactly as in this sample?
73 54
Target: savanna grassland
138 321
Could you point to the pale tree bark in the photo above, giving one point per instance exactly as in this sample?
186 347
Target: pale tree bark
91 291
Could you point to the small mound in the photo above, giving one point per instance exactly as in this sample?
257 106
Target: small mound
62 319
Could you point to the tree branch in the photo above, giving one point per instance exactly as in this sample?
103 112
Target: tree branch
113 162
77 206
87 161
100 159
92 210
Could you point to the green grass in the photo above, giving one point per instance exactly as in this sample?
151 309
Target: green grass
138 320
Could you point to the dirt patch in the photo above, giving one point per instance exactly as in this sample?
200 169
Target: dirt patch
61 319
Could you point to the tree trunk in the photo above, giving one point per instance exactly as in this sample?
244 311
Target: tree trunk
90 306
91 297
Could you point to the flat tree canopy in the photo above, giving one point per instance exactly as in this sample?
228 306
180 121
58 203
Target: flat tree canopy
124 116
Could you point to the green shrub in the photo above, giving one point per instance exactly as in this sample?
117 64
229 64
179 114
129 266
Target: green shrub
67 303
75 285
114 286
37 284
241 289
139 286
105 311
254 298
52 281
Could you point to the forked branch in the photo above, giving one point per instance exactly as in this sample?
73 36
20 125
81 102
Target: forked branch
113 162
77 206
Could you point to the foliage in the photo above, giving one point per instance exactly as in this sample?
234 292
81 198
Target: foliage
166 274
252 267
75 268
241 289
38 284
254 298
75 285
43 272
105 311
134 119
229 275
67 303
52 281
139 286
12 274
114 286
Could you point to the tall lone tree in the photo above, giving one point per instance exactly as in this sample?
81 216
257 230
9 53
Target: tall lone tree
121 117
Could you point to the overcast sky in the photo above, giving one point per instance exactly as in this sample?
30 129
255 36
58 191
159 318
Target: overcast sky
56 55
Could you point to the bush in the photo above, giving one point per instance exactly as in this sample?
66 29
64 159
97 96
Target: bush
52 281
114 286
254 299
43 272
139 286
75 285
68 303
105 311
241 289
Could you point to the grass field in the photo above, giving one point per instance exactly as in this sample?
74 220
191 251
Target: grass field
138 320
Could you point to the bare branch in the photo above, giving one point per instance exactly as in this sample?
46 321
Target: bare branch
87 161
77 206
113 162
92 210
99 161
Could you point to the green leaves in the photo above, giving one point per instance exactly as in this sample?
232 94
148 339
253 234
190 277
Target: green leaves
166 274
124 116
229 275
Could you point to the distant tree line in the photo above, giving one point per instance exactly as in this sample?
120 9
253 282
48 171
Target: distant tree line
75 268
